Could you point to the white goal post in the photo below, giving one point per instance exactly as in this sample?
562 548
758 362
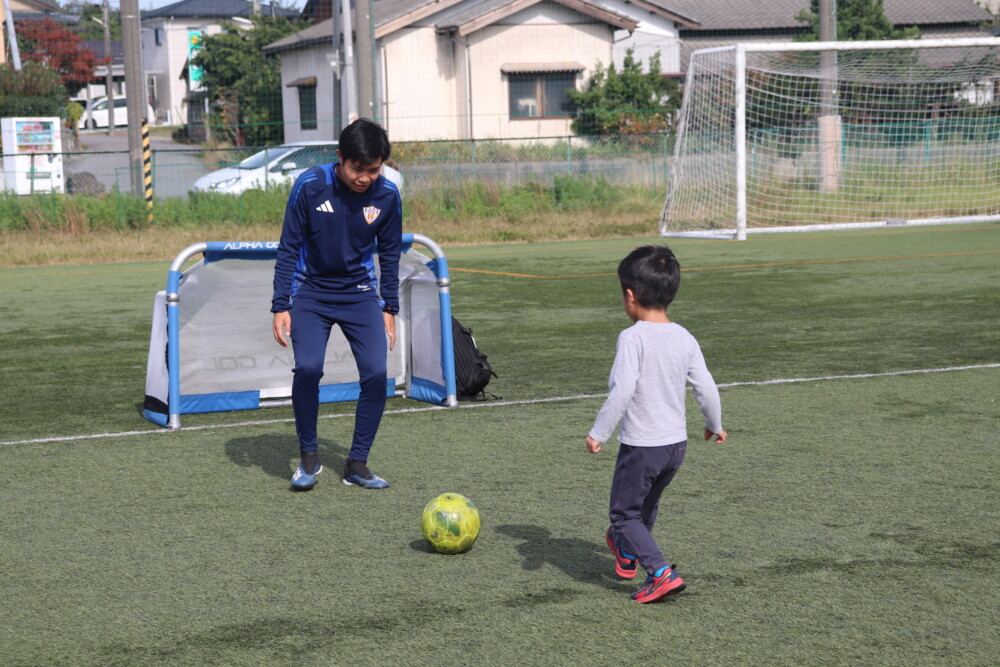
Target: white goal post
826 135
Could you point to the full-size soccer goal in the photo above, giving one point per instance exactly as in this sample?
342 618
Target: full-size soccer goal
211 347
790 136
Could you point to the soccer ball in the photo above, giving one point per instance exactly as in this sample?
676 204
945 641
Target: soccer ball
450 523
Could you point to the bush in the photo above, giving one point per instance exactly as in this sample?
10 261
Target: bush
34 90
459 203
572 193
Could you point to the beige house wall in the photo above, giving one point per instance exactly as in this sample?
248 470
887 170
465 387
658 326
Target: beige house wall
420 85
433 81
496 45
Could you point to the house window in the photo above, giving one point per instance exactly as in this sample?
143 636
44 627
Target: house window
540 94
307 101
307 107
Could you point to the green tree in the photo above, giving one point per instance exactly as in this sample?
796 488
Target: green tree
626 102
35 90
857 20
243 84
89 28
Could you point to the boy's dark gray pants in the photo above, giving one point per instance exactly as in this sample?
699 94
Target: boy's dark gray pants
641 475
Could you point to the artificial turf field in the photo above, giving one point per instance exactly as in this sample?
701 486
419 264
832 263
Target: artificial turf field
853 518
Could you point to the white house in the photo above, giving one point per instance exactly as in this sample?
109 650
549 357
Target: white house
659 30
458 69
172 34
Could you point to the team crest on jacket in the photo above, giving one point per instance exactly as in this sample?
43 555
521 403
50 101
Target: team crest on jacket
371 213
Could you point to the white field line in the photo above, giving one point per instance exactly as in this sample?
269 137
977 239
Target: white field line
491 404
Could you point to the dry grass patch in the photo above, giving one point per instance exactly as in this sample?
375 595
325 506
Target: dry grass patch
76 244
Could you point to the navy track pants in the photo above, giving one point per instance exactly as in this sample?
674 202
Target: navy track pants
364 328
641 475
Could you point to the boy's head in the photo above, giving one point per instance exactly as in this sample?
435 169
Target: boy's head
653 274
363 147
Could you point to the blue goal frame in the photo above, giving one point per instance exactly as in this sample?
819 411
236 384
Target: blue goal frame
178 403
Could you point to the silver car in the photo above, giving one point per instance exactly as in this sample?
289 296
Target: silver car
276 166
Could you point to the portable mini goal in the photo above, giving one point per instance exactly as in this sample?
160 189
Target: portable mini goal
212 348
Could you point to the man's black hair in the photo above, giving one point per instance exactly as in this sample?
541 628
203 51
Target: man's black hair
365 142
653 274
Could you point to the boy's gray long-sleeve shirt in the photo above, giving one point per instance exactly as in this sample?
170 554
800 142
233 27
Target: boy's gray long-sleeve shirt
653 363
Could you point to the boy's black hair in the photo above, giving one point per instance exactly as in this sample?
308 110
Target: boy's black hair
365 142
653 274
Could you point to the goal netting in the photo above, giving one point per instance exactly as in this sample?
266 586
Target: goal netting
211 348
776 137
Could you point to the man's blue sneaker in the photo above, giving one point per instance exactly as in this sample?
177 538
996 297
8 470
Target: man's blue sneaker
302 481
356 473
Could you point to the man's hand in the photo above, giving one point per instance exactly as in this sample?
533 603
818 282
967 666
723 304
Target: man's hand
282 327
390 329
592 445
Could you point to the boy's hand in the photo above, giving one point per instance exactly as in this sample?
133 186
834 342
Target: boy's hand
720 437
592 445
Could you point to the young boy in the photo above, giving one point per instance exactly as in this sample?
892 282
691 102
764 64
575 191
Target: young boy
655 358
324 274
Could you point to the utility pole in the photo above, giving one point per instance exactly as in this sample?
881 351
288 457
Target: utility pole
134 84
15 52
3 17
829 118
348 81
336 62
108 63
366 59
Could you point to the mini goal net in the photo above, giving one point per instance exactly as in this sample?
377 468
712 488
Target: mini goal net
810 136
211 347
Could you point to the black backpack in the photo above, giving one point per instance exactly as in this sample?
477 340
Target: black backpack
472 370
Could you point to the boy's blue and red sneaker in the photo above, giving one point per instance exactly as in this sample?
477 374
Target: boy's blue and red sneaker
624 563
657 588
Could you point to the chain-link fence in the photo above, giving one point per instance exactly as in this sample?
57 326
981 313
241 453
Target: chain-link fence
249 184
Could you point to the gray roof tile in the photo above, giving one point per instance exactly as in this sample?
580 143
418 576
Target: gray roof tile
214 9
780 14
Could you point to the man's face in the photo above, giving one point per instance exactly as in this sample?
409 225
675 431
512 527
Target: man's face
356 176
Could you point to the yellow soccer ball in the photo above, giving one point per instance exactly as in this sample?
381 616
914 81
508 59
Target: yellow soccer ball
450 523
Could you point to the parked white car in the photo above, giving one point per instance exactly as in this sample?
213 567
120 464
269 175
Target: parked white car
96 115
275 166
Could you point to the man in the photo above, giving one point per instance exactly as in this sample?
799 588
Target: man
337 216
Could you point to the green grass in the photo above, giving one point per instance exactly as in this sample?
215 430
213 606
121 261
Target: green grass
848 521
569 206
